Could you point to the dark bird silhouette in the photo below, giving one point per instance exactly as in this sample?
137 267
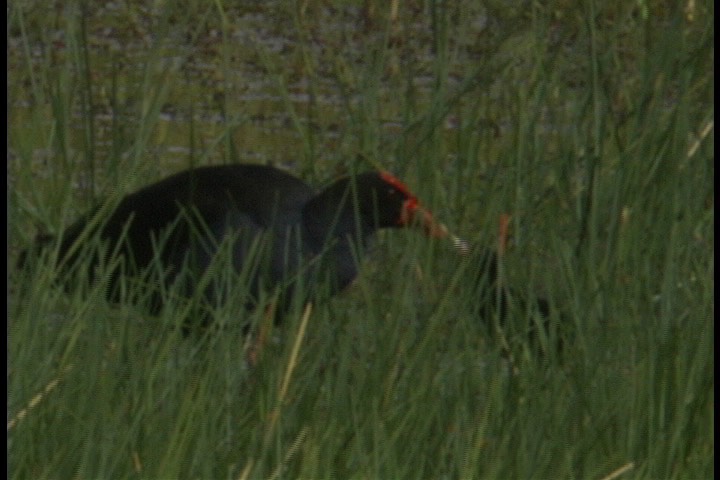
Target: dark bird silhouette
276 232
499 306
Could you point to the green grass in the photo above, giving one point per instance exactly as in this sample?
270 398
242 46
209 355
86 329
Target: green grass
591 124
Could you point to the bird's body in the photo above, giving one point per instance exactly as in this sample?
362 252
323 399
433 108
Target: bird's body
279 231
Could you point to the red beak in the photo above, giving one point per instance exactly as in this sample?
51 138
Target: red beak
413 214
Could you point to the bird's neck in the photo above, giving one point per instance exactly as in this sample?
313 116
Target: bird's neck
333 215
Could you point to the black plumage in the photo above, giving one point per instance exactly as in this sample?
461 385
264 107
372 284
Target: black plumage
279 231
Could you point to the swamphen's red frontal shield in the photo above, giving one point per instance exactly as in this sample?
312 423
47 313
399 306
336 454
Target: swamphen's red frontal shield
180 223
